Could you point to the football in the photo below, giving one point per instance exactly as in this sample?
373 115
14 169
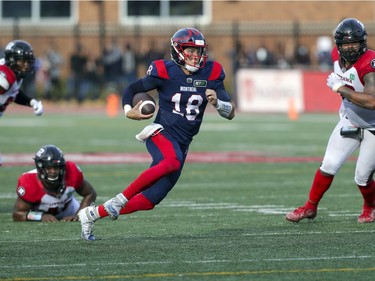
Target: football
147 106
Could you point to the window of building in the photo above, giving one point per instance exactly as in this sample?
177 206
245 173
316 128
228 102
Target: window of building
55 9
165 11
16 9
36 10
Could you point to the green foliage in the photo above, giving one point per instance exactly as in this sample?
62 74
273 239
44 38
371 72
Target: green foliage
222 221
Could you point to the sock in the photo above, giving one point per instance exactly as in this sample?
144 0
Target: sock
320 185
101 211
368 193
138 203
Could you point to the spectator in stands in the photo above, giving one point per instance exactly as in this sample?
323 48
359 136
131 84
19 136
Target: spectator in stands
112 64
54 72
129 64
323 53
302 56
156 52
239 57
93 80
78 67
264 57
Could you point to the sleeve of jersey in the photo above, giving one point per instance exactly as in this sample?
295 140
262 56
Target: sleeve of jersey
366 65
22 98
217 72
218 76
7 78
147 83
74 175
26 189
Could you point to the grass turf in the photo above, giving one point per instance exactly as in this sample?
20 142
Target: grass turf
222 221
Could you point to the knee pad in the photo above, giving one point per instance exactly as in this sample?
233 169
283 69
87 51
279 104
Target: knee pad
329 168
361 181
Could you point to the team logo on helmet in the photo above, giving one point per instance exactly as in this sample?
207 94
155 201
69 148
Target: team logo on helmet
40 152
9 46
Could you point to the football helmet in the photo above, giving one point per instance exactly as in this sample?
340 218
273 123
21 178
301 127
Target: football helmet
19 56
51 156
184 38
351 30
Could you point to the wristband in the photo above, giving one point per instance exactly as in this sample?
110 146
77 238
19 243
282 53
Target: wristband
224 108
34 216
127 108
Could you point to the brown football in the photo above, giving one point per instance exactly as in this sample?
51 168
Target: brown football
148 104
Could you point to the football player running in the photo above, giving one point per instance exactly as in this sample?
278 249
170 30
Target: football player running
47 193
17 63
354 80
185 85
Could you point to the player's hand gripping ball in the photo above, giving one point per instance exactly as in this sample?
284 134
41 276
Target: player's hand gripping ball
148 103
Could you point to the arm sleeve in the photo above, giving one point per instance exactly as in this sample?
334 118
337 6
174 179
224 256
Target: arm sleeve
22 99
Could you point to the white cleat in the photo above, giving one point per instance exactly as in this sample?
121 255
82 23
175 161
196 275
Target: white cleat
114 205
87 217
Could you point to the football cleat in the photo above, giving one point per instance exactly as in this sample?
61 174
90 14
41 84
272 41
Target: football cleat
301 213
87 217
367 215
114 205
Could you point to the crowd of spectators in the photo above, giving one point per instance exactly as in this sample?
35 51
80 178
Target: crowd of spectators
91 77
281 57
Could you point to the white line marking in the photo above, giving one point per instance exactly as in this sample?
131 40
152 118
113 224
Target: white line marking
187 262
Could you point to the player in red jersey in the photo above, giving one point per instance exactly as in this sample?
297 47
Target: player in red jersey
185 84
354 79
17 63
47 193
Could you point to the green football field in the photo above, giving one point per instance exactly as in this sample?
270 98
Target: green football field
224 220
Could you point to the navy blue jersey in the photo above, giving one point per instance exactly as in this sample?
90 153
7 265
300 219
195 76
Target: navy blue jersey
182 98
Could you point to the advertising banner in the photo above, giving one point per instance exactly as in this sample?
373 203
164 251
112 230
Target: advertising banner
274 90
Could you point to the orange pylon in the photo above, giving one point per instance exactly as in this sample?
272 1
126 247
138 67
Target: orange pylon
113 102
292 110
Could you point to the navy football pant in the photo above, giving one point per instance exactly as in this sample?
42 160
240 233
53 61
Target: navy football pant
168 158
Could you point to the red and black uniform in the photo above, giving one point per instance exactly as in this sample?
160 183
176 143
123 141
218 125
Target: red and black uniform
13 93
31 190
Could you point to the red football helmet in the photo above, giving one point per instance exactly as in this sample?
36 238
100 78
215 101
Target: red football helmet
185 38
